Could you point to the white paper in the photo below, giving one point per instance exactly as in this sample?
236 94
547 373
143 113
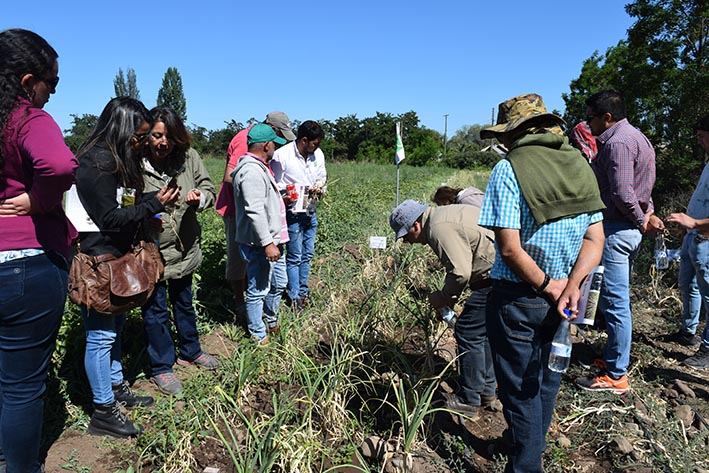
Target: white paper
378 242
301 205
76 213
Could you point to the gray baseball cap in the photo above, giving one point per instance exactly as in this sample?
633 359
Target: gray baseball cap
403 217
282 123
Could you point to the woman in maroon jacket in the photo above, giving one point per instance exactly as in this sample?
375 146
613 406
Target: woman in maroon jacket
36 168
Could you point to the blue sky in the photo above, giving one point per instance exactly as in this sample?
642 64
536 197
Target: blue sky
322 60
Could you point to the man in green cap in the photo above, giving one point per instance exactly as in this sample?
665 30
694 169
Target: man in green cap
261 231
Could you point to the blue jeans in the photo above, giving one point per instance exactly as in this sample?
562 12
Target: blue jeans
299 251
520 327
102 360
694 283
32 296
156 322
619 251
477 374
265 283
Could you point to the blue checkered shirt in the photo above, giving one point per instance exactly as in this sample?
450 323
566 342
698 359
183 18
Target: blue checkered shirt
554 246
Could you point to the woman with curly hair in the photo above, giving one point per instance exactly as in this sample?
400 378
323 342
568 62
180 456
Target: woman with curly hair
171 159
36 168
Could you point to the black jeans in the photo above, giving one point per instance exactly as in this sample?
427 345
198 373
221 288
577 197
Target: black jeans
476 372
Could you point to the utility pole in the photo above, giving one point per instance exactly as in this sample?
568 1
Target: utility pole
445 136
492 121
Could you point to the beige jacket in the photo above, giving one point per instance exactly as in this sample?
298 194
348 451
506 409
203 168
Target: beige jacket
465 249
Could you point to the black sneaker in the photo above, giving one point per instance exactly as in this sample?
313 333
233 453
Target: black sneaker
457 405
108 419
686 339
699 360
125 395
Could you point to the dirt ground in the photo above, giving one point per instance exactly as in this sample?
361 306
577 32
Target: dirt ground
75 450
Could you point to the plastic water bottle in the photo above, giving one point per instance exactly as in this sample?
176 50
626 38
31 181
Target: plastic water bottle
560 354
661 259
449 316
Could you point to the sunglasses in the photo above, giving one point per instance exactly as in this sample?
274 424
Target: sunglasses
52 83
139 137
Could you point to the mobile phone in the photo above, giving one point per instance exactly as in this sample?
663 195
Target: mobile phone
173 182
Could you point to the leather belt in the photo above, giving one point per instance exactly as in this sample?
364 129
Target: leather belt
481 284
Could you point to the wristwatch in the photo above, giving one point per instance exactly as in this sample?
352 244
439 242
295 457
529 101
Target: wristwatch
540 289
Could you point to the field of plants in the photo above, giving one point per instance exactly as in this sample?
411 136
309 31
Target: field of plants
353 383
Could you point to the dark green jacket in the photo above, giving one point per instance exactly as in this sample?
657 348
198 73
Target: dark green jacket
554 178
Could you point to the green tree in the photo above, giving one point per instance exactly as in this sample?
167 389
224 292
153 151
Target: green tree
219 139
81 126
346 133
661 68
126 87
171 93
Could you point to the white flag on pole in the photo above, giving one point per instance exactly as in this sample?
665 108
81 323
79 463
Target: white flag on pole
399 145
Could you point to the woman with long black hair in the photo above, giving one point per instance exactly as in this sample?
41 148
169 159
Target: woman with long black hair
109 182
36 168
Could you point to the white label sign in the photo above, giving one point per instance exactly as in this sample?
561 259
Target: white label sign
378 242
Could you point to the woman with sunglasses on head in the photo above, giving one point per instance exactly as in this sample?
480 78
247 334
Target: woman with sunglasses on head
170 159
109 182
36 168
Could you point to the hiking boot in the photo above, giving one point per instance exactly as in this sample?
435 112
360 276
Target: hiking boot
204 361
125 395
458 406
261 342
603 382
108 419
304 301
275 329
491 403
167 383
699 360
686 339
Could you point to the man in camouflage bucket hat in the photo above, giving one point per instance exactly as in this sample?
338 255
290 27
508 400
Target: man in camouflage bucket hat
528 110
543 204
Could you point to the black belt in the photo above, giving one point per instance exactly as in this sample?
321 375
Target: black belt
481 284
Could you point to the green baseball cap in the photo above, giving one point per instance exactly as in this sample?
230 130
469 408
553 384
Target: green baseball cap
263 133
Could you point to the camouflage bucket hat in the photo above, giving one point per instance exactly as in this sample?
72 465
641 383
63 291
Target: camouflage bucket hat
526 109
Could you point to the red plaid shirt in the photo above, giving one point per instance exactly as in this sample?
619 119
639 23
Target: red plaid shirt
625 169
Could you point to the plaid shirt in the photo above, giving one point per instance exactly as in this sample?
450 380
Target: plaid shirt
625 170
554 246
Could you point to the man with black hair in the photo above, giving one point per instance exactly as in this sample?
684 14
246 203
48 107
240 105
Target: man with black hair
301 163
693 269
625 170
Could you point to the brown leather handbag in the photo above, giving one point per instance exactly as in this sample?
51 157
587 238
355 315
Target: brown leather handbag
111 285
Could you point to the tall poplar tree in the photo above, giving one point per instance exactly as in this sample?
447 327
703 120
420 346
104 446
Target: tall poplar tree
126 85
171 94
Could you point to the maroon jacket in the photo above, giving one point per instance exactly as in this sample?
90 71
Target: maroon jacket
37 161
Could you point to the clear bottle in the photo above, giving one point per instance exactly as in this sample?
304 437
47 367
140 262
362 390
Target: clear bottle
560 353
661 259
449 316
